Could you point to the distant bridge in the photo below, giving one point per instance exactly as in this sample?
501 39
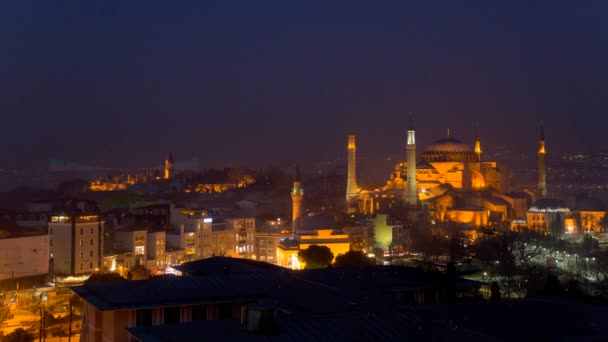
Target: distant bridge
60 165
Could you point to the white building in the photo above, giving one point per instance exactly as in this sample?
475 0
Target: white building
76 241
24 256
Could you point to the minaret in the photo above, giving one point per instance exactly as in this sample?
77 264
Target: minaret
351 179
477 145
297 194
411 194
542 170
169 166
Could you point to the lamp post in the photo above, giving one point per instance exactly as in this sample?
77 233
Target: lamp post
483 277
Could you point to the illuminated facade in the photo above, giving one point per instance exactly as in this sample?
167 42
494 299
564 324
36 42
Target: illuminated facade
287 250
132 242
203 236
590 221
297 194
169 166
548 216
477 217
337 242
588 214
391 235
100 185
287 254
156 250
266 243
351 180
447 164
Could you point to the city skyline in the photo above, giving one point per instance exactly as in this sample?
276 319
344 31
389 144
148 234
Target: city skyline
312 170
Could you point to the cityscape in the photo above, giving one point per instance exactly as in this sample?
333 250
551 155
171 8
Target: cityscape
189 171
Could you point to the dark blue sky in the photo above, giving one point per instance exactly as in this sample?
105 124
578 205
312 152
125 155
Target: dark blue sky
120 83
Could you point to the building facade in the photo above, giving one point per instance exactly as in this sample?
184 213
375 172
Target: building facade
24 256
76 242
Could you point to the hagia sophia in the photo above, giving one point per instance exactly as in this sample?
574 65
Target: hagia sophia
450 179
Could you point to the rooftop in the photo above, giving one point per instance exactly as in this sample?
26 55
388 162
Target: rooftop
222 265
448 144
547 203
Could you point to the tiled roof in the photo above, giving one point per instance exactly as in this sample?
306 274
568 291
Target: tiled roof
548 203
175 291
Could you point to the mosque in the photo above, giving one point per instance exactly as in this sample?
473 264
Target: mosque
450 178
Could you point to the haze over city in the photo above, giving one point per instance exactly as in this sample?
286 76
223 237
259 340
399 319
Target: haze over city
120 84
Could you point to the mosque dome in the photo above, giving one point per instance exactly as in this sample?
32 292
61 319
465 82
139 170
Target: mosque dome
448 145
448 149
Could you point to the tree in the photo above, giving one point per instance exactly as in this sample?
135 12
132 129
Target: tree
604 223
588 244
42 310
442 205
352 258
5 307
138 272
448 282
507 266
553 285
316 256
487 250
494 291
457 247
19 335
73 302
525 247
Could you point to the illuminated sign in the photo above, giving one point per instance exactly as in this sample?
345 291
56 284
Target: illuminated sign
207 220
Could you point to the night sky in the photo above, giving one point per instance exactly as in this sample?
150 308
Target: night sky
121 83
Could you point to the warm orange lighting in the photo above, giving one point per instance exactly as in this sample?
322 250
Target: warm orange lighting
351 142
541 149
477 147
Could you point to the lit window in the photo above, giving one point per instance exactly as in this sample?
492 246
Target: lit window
139 250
